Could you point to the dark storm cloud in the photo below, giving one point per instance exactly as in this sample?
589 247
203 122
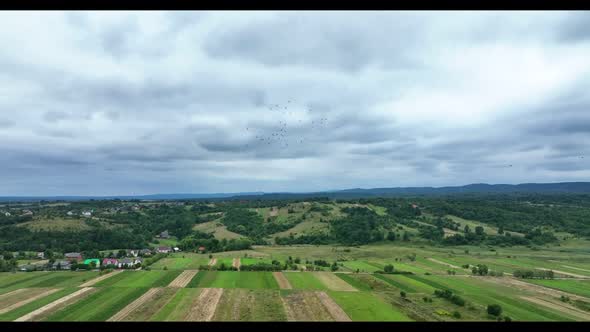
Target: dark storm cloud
120 102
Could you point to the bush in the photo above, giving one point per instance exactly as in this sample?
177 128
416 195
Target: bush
388 268
402 294
494 309
507 319
456 314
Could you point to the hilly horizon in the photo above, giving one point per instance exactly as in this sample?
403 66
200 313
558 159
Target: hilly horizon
558 187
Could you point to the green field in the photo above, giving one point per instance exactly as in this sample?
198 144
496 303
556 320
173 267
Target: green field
10 281
178 305
139 279
232 279
363 306
185 261
578 287
250 305
25 309
304 280
99 306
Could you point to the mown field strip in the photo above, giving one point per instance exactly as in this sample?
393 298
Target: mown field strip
183 279
204 308
334 309
12 293
236 263
572 311
56 305
28 300
305 306
282 280
332 282
102 277
213 261
133 305
575 268
511 282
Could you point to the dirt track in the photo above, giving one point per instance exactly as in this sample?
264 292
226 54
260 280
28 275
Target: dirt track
100 278
333 308
204 308
576 268
559 307
134 305
56 305
183 279
236 263
282 280
443 263
213 261
28 300
334 283
565 273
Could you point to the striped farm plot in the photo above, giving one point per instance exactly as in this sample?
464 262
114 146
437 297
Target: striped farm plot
560 306
250 305
183 279
304 281
236 263
143 279
332 282
204 307
146 306
45 279
212 262
92 282
233 279
34 305
16 299
364 306
48 309
307 306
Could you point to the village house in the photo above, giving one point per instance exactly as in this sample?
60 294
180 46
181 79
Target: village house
164 235
62 265
201 249
129 262
133 252
27 213
41 255
145 252
70 256
70 213
176 249
164 250
87 214
110 261
7 214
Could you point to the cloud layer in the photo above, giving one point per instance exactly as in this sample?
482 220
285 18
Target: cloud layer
159 102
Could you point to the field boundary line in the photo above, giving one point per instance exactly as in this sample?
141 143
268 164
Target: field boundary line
206 305
558 307
282 280
564 273
31 315
92 282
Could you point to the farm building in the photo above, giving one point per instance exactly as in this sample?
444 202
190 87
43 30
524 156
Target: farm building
73 256
176 249
89 261
87 214
164 250
201 249
7 214
27 213
110 261
164 235
70 213
129 262
133 252
61 265
41 255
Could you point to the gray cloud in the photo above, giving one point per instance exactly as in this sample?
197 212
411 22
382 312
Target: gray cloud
137 103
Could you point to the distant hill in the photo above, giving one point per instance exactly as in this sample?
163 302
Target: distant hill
547 188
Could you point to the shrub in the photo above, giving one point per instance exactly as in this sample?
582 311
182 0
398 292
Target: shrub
494 309
388 268
456 314
402 294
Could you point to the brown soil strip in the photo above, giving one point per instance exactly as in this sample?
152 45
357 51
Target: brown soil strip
100 278
28 300
282 280
559 307
236 263
14 292
515 283
305 306
334 283
274 212
333 308
204 308
56 305
134 305
183 279
575 268
213 261
565 273
443 263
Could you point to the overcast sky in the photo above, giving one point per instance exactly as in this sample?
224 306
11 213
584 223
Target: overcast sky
101 103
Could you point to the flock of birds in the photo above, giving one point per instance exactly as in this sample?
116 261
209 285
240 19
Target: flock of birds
280 134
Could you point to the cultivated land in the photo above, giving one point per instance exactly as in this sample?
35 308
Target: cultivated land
322 282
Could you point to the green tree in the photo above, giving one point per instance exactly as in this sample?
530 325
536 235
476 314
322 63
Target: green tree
388 268
494 309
